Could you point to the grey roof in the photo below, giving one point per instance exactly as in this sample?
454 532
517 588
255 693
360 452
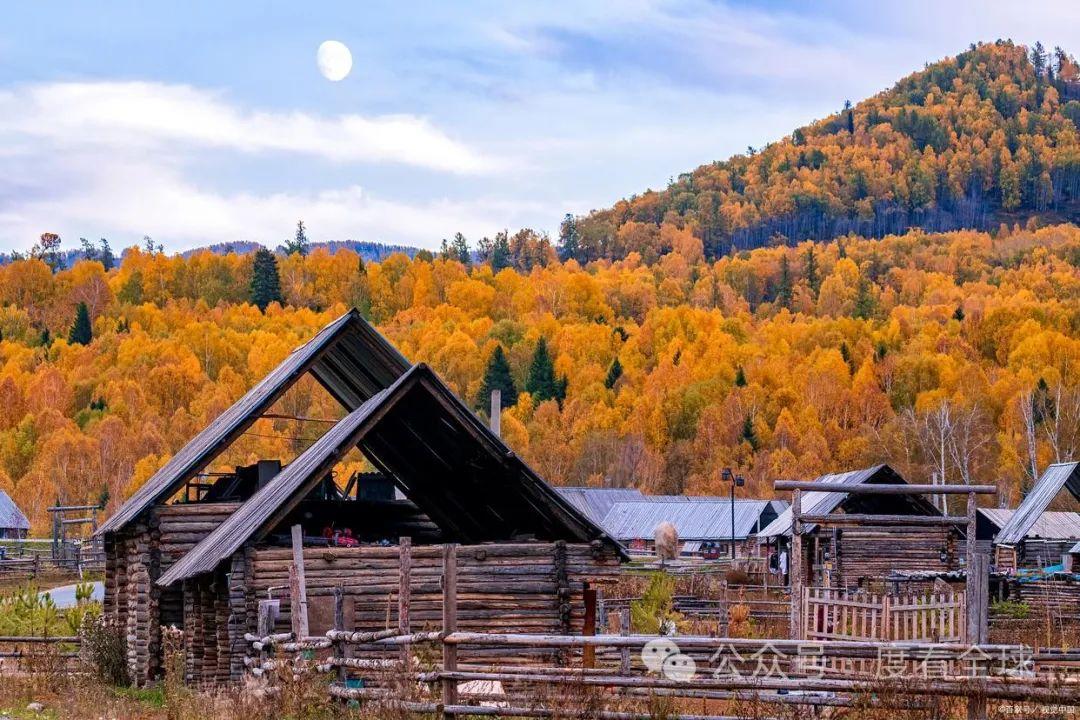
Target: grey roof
1051 525
595 503
1075 549
815 502
443 458
693 518
1053 479
348 357
11 517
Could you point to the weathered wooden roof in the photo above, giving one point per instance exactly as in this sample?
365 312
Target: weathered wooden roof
348 357
442 457
11 517
822 503
1049 485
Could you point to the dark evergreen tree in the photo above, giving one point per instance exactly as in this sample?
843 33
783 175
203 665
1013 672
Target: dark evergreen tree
864 300
131 292
46 338
810 270
497 377
265 281
541 382
500 252
299 244
105 255
958 314
613 374
569 238
457 249
81 332
784 292
748 433
740 377
849 117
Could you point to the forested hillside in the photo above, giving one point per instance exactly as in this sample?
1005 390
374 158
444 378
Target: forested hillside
986 137
955 353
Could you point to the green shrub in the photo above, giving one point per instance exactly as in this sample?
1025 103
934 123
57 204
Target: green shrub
656 606
1011 609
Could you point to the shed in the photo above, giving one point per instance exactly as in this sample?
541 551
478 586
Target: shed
1035 535
856 556
205 565
704 524
596 502
13 523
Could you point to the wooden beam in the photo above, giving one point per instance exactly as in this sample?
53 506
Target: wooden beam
875 489
884 520
496 412
404 592
449 686
298 605
588 656
795 565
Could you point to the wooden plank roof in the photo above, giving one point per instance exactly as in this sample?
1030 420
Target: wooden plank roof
348 357
441 456
1055 478
11 517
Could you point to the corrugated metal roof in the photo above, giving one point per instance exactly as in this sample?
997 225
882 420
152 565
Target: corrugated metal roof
1051 525
1056 477
446 461
1075 549
694 519
11 517
595 503
822 503
348 357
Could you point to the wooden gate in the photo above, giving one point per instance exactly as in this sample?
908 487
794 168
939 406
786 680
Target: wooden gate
830 614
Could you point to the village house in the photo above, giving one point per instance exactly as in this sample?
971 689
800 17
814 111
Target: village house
13 523
202 558
1043 529
862 555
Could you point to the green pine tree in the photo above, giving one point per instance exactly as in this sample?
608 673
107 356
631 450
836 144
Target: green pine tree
299 243
811 270
500 252
497 377
541 382
749 434
613 374
131 292
864 300
81 332
784 293
740 377
265 281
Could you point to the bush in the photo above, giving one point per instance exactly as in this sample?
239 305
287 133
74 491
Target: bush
1011 609
656 606
104 648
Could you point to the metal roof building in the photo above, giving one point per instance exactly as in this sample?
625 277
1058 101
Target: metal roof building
823 503
1050 484
13 523
1051 525
695 519
596 503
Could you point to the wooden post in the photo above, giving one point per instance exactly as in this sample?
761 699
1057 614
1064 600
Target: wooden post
978 581
795 563
404 592
588 653
971 580
496 412
624 652
449 687
723 625
339 624
298 586
264 624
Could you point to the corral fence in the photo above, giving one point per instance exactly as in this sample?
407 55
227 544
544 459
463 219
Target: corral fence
34 654
440 671
831 614
28 559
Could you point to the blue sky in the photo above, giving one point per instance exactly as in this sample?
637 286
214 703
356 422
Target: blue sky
206 122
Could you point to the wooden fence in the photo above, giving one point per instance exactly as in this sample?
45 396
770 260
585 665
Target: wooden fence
30 654
831 614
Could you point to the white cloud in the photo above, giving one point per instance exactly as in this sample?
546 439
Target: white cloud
157 116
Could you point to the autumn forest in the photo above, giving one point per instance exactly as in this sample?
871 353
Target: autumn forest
899 282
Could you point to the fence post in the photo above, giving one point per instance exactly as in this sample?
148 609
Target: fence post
298 586
265 624
339 625
723 625
404 592
624 652
795 566
449 687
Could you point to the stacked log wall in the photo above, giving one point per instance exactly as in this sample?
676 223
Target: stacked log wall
526 588
873 552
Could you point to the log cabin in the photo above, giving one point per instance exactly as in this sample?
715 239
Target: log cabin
1042 530
13 523
862 556
202 558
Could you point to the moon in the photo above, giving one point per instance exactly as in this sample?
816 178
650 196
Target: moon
335 60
